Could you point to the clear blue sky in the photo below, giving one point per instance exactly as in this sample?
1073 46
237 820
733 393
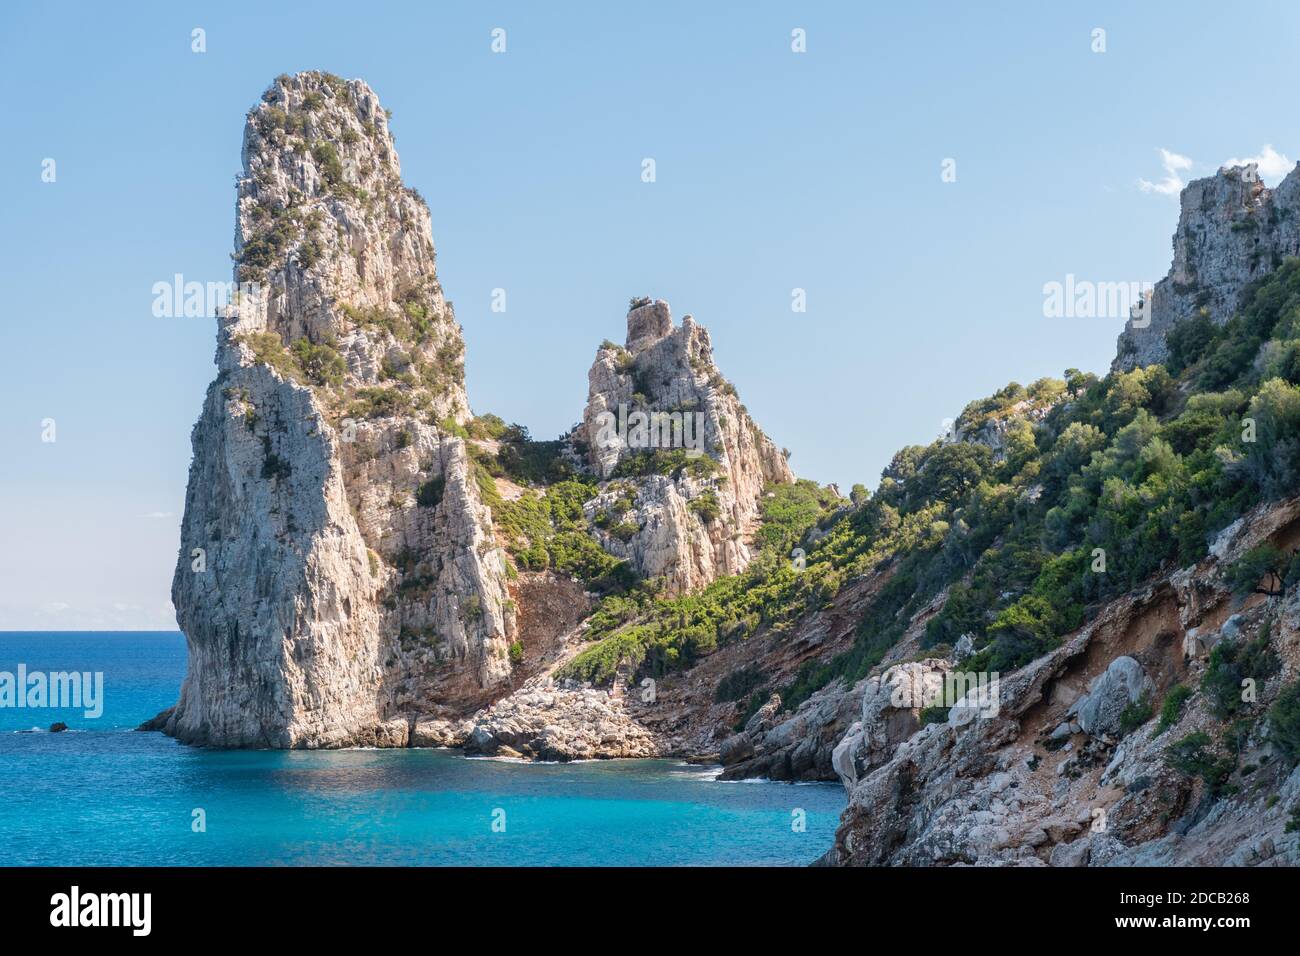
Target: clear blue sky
775 170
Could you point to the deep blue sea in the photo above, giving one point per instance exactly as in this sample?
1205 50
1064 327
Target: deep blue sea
103 794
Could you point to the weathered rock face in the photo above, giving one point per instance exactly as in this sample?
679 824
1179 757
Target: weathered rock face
891 713
662 395
1231 230
1051 776
797 746
340 582
338 570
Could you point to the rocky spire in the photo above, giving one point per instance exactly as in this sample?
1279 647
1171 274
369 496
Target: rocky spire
338 572
341 248
690 463
340 579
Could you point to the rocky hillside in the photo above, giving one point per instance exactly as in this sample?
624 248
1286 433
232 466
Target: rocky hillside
1133 597
1113 562
1133 743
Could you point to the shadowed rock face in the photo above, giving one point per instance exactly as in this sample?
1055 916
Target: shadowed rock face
324 605
692 522
1231 231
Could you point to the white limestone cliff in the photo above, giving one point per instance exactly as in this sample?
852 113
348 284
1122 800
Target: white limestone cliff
338 572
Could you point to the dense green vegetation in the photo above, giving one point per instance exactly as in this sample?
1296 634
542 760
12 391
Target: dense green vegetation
331 167
1095 485
412 321
528 462
791 511
305 361
1134 716
378 402
550 532
1265 569
1193 757
321 363
429 494
706 505
267 247
655 634
672 462
739 684
544 528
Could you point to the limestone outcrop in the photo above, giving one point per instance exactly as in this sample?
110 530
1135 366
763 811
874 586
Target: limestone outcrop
1232 229
687 463
338 569
559 724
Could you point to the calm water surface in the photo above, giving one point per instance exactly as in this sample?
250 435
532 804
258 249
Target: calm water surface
103 794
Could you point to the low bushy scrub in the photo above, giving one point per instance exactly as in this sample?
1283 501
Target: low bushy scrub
1192 757
1231 664
1284 723
550 532
1172 709
673 462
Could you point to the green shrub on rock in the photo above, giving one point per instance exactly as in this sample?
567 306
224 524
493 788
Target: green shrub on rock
1284 723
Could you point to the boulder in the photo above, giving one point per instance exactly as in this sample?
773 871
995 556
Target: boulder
1123 683
735 749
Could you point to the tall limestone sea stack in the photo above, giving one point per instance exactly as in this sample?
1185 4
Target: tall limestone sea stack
334 508
342 580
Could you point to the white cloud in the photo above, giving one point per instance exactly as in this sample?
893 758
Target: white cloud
1175 165
122 614
157 514
1272 164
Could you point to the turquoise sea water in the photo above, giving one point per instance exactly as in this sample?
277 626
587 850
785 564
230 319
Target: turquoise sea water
103 794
